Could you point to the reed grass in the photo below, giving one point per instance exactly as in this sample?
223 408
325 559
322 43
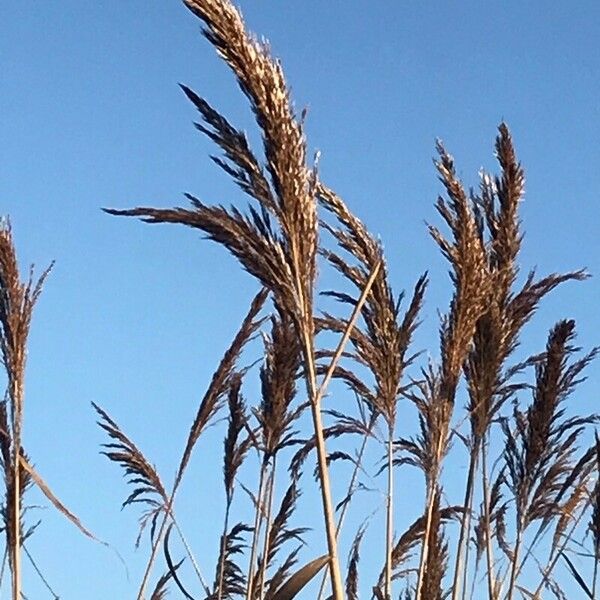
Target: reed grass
276 241
17 301
532 470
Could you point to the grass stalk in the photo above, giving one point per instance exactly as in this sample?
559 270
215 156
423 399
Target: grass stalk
465 528
316 395
168 514
16 394
557 553
156 544
334 567
465 576
258 519
350 491
222 553
595 577
514 567
389 538
39 573
425 545
267 538
431 494
2 569
190 554
489 557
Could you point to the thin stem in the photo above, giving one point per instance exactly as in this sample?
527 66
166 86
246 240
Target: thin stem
530 548
515 561
16 397
307 335
556 555
431 492
4 557
334 567
316 394
39 573
223 549
465 526
266 545
168 514
595 575
156 544
487 522
473 583
425 545
351 488
190 554
256 530
465 577
389 542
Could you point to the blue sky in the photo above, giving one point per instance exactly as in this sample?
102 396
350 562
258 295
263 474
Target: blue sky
135 318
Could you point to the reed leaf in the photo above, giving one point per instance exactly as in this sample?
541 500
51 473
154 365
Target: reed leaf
292 587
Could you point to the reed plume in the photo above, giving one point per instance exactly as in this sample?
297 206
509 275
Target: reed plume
276 239
539 453
17 300
147 487
275 417
382 343
281 256
466 253
490 380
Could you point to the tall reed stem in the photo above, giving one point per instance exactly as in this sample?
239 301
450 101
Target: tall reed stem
316 394
16 394
256 530
389 541
425 545
351 487
223 551
334 567
156 544
268 517
515 562
595 577
431 492
190 554
465 576
487 521
556 554
465 527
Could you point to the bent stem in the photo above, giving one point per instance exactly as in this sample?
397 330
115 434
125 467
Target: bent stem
155 545
168 513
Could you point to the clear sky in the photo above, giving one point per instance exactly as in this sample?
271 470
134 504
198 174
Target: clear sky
135 317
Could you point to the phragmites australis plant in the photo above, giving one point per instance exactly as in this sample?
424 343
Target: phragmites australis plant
335 386
17 301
